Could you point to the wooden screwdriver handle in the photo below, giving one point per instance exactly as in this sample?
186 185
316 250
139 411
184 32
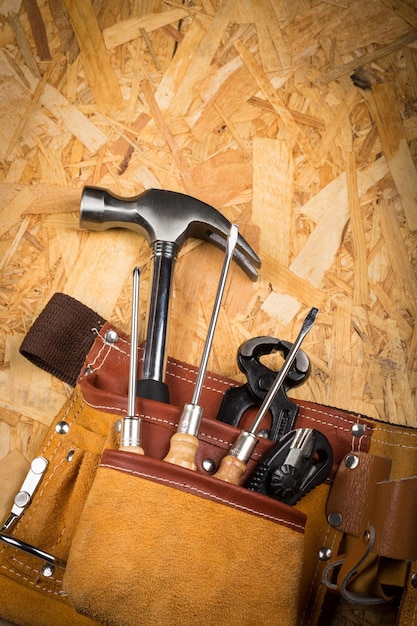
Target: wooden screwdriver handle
231 470
182 450
133 449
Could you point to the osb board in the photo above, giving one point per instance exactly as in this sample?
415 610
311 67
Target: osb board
251 107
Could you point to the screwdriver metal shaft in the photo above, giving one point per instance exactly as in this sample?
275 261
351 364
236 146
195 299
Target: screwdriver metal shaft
184 443
233 465
131 424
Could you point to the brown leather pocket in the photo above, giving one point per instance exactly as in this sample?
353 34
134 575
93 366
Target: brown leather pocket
159 544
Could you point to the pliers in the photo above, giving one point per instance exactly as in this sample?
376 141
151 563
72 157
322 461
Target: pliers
237 400
293 466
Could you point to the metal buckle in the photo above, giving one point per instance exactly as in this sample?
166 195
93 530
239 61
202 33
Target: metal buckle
22 499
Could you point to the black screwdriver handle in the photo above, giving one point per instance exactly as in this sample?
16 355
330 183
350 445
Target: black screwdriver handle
258 480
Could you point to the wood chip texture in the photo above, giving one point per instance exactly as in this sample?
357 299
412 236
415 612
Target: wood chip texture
296 120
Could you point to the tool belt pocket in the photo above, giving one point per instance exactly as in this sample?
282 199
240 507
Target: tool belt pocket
160 544
188 548
136 540
34 551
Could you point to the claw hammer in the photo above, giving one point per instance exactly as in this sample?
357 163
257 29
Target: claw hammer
166 219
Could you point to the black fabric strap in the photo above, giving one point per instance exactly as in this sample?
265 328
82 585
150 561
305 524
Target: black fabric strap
61 337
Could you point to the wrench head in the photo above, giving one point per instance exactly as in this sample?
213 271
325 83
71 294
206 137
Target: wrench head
164 216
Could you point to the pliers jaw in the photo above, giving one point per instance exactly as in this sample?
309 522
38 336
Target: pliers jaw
237 400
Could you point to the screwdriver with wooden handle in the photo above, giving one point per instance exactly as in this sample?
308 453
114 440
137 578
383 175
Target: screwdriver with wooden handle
184 443
130 440
233 465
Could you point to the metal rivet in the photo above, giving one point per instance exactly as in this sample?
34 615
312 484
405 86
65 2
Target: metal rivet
366 537
263 433
335 519
325 554
39 465
111 336
358 430
47 570
62 428
209 465
265 381
351 461
88 370
414 581
70 455
118 426
22 499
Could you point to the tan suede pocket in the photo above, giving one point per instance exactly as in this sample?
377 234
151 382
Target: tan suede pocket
159 544
72 448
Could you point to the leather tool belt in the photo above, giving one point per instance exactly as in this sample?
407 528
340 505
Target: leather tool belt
115 538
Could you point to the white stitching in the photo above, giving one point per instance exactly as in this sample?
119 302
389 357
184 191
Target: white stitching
33 570
389 431
159 420
115 409
36 585
64 416
228 383
394 445
175 364
325 423
43 487
204 493
329 528
104 407
332 415
31 509
188 380
101 363
209 376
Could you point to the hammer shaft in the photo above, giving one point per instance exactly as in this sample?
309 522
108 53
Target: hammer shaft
151 384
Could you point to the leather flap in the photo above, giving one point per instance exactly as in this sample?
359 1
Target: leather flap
394 518
363 497
352 494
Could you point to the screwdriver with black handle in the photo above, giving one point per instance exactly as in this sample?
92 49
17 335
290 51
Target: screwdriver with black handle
184 443
233 465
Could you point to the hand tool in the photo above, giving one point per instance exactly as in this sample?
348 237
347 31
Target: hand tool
293 466
237 400
166 219
233 466
21 501
131 425
184 443
24 497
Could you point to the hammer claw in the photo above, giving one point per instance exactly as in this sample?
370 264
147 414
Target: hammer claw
243 254
160 215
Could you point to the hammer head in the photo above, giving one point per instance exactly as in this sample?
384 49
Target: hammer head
163 216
